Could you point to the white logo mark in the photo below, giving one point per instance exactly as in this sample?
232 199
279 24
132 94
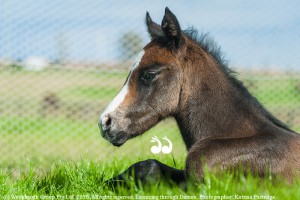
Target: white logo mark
159 148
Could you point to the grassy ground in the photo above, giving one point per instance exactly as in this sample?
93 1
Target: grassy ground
85 180
62 152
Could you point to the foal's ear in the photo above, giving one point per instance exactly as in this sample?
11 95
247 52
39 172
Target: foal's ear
171 28
154 29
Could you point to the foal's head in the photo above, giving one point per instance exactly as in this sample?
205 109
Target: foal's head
153 87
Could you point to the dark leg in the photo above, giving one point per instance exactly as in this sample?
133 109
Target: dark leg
149 172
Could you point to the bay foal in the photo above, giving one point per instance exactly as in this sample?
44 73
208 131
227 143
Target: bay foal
223 126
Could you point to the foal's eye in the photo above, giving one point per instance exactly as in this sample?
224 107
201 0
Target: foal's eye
149 76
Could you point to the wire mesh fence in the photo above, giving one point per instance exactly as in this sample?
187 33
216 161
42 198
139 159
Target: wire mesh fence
62 62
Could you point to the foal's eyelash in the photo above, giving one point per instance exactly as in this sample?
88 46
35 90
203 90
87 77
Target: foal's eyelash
154 68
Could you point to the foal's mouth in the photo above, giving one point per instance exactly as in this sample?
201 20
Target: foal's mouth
118 142
116 139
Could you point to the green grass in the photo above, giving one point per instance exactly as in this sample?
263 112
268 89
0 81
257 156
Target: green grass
92 92
280 92
46 140
87 178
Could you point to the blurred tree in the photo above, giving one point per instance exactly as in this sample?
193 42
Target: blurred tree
298 87
61 42
130 45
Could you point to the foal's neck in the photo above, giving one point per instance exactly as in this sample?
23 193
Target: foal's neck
214 105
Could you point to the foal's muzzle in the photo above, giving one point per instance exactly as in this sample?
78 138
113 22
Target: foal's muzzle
109 131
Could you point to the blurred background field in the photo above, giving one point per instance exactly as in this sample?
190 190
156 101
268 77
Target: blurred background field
61 63
59 119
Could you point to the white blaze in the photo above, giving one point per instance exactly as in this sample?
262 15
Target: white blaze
117 101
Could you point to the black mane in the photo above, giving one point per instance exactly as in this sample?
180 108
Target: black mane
208 44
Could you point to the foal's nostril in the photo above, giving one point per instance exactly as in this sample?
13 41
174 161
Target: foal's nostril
106 122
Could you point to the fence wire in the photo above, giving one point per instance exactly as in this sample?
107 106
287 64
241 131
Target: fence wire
62 62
